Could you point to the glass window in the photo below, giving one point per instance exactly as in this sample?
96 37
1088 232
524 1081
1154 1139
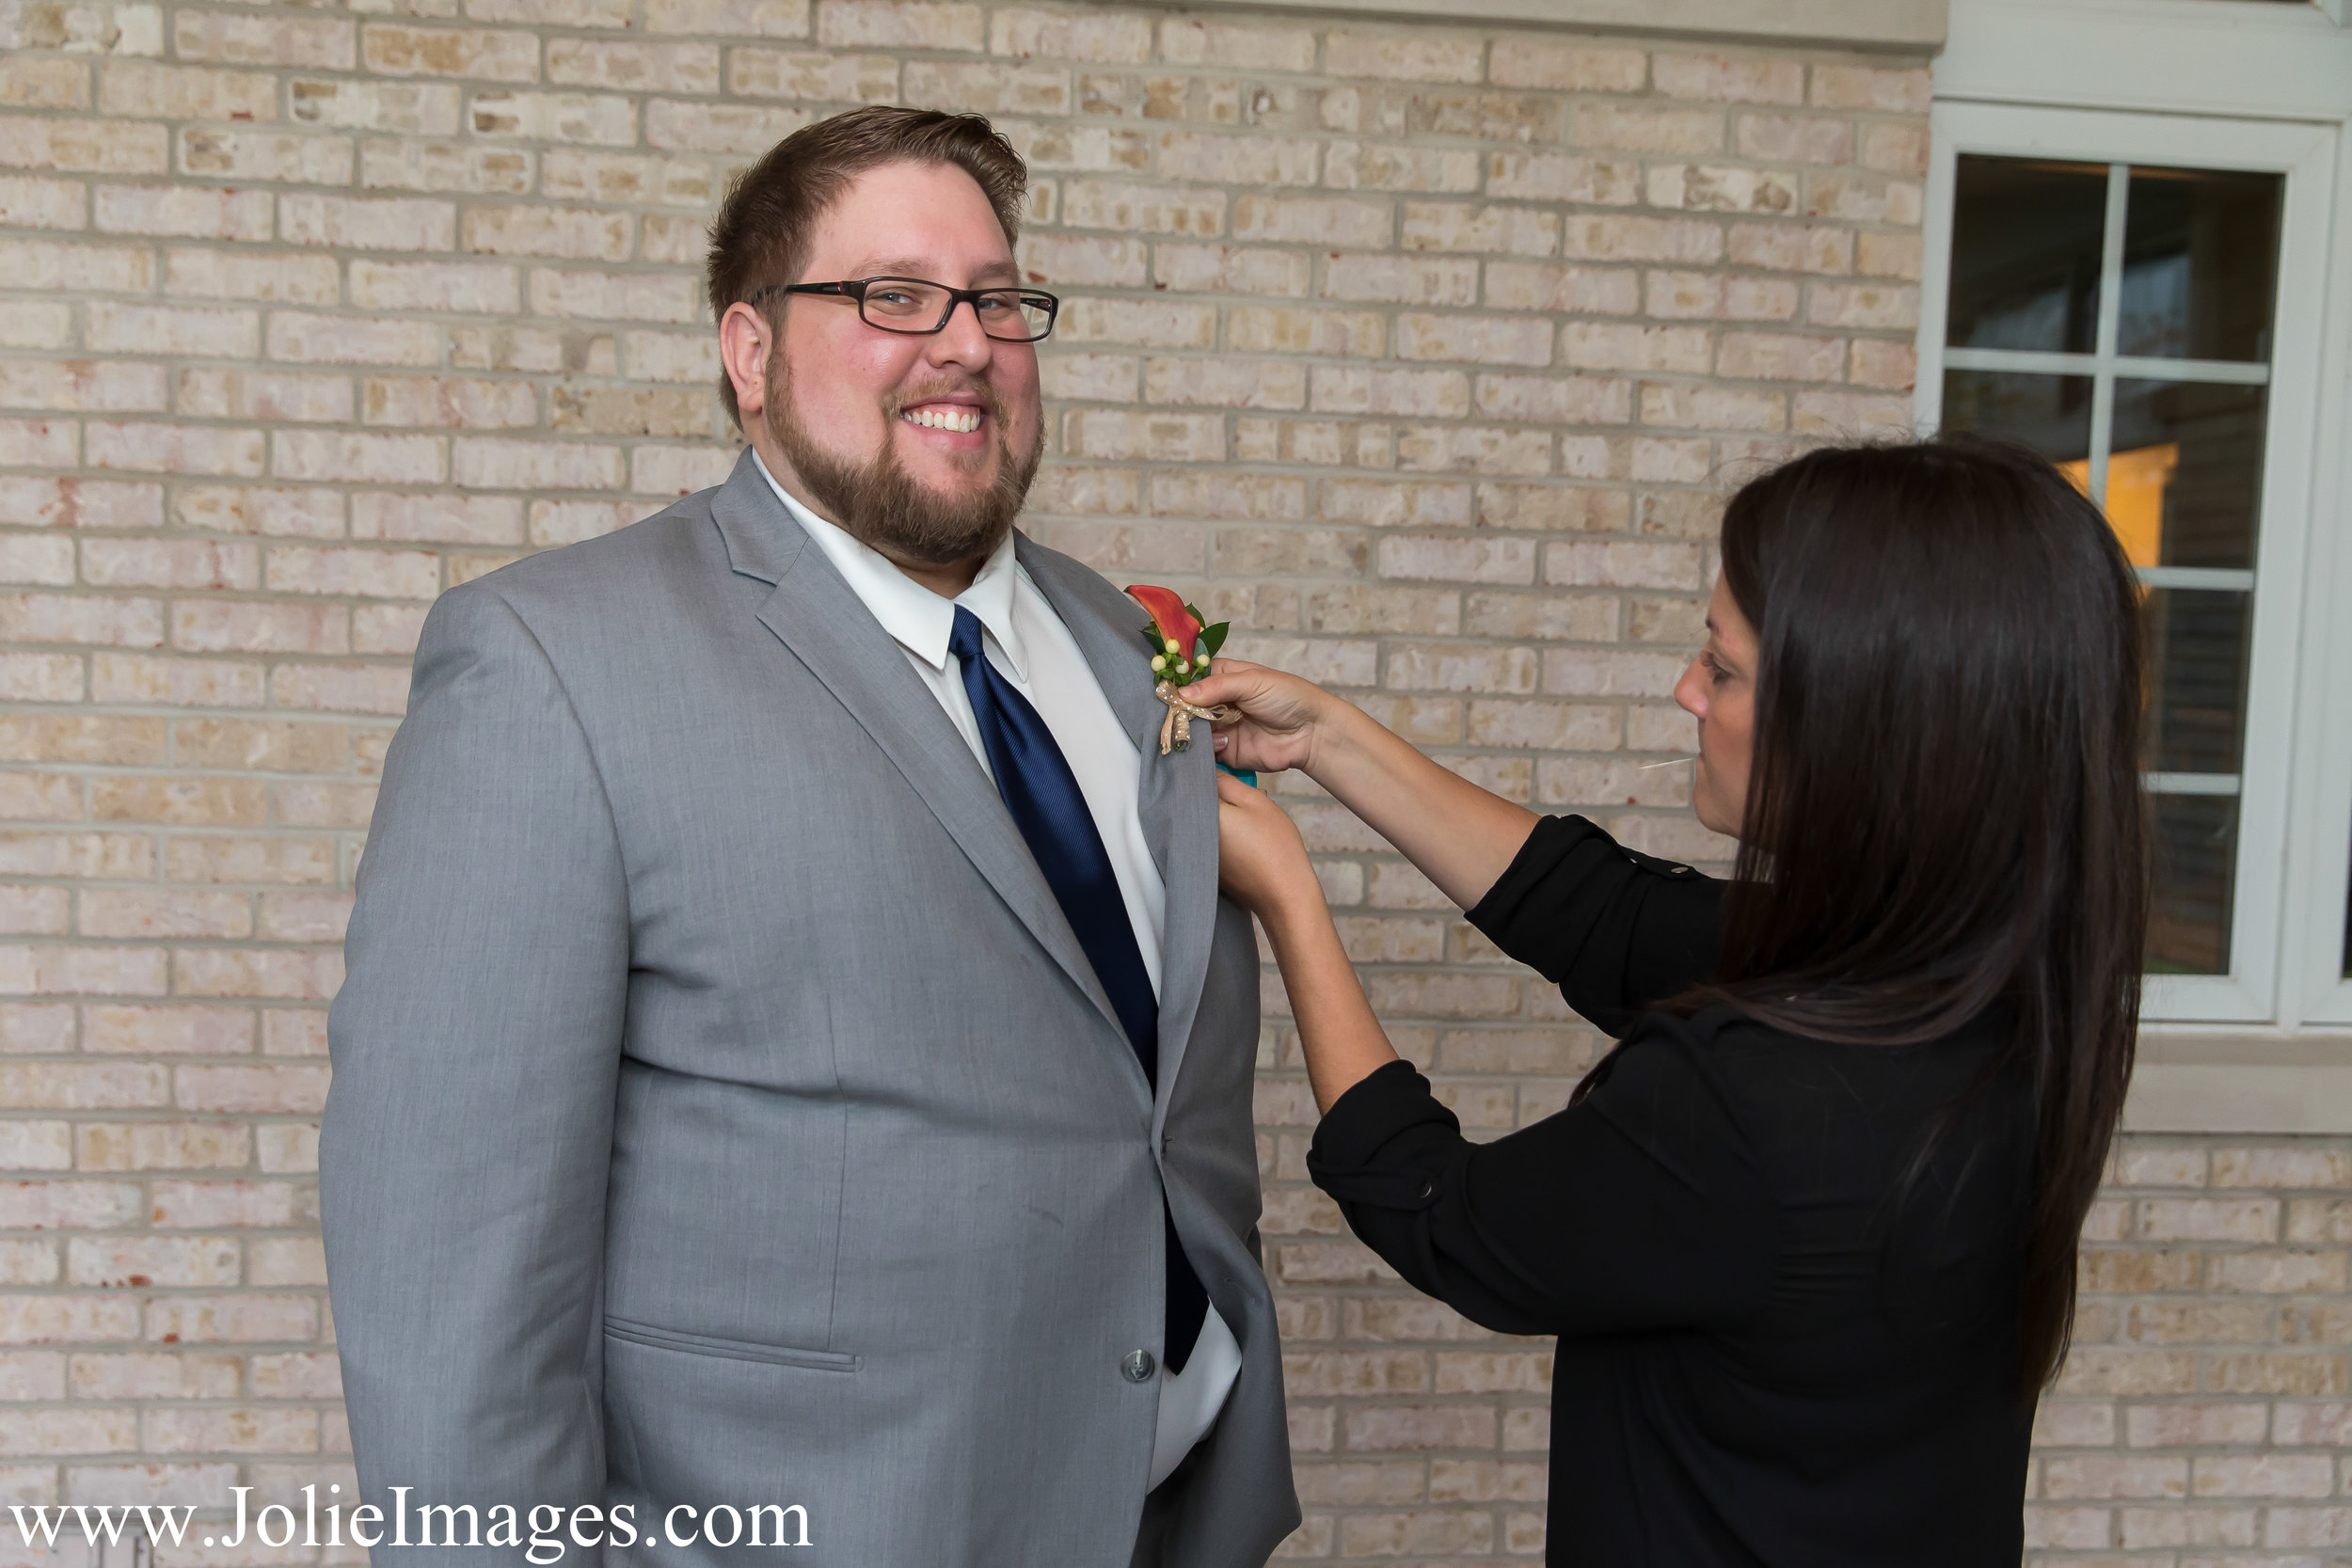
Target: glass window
2198 642
2188 919
2185 473
2118 319
2200 258
2049 413
2031 278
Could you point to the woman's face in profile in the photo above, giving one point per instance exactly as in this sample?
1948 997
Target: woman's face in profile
1719 690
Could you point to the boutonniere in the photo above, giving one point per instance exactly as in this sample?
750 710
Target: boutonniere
1180 650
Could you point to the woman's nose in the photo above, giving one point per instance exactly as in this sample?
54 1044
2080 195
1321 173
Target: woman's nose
1691 690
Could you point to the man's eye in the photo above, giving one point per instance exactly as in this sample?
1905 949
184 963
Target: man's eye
994 304
891 296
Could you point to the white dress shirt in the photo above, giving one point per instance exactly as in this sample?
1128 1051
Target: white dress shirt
1029 645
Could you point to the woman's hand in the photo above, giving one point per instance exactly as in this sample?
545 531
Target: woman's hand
1461 836
1280 715
1261 862
1262 866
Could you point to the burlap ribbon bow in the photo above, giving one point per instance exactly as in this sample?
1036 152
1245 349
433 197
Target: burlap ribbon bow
1176 729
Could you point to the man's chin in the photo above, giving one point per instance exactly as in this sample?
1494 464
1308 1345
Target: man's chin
950 476
965 488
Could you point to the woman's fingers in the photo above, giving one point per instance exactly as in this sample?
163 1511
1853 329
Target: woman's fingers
1229 681
1261 862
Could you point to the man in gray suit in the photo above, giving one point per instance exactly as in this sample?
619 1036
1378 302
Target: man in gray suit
794 1052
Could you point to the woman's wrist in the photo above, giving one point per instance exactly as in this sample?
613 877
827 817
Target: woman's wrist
1295 907
1335 739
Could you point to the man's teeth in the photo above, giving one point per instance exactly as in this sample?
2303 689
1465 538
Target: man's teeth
964 419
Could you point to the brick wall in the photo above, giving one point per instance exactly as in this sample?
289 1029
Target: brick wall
2204 1412
1422 352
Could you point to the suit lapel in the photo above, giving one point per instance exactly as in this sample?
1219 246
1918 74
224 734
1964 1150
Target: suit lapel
1177 798
821 620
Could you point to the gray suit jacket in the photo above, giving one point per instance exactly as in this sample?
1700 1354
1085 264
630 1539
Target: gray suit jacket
725 1112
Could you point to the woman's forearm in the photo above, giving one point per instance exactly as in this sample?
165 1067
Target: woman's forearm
1462 837
1342 1040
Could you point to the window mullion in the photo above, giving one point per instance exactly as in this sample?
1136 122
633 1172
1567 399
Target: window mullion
2109 333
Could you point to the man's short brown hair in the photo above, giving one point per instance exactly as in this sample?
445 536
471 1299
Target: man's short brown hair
760 238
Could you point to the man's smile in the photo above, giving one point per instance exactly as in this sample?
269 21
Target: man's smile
944 417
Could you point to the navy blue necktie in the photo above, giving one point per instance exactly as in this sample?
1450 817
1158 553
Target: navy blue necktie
1042 795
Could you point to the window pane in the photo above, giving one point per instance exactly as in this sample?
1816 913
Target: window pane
2049 413
2197 647
2188 925
2188 457
2026 238
2200 254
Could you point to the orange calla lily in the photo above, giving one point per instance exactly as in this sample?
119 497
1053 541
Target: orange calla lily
1176 626
1168 614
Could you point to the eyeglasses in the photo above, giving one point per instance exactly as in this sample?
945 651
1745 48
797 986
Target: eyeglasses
915 305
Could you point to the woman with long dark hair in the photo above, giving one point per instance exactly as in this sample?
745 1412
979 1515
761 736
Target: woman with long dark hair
1807 1233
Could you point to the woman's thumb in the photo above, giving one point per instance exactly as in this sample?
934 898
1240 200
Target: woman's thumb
1219 686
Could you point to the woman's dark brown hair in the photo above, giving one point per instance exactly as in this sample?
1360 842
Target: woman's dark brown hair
760 238
1944 811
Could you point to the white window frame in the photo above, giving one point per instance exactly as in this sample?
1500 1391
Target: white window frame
2267 903
2319 882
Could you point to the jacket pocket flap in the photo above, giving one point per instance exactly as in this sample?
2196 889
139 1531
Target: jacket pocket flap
736 1350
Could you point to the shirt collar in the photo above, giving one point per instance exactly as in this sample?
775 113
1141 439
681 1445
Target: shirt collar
919 620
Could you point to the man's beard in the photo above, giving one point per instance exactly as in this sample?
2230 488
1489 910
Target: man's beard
881 505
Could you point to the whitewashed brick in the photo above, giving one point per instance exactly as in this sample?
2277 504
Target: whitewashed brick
900 23
196 212
172 448
83 146
434 286
28 202
403 164
784 19
370 223
416 108
97 384
719 127
479 53
306 338
194 331
323 43
504 465
288 278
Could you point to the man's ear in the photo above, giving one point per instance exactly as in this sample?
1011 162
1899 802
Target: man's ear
745 342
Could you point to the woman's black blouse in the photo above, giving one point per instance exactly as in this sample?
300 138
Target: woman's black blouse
1772 1349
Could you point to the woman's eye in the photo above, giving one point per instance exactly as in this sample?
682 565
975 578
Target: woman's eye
1714 668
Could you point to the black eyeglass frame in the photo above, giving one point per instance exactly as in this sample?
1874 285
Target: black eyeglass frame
854 288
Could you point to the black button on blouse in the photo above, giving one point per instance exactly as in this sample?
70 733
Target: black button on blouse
1771 1350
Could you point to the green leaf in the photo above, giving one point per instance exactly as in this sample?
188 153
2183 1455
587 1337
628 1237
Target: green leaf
1213 638
1154 641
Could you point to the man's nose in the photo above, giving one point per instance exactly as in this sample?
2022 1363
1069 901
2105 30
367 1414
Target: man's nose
962 340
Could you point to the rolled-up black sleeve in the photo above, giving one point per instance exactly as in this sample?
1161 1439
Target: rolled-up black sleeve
1615 929
1638 1207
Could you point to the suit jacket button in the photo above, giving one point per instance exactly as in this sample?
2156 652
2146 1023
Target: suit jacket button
1138 1365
